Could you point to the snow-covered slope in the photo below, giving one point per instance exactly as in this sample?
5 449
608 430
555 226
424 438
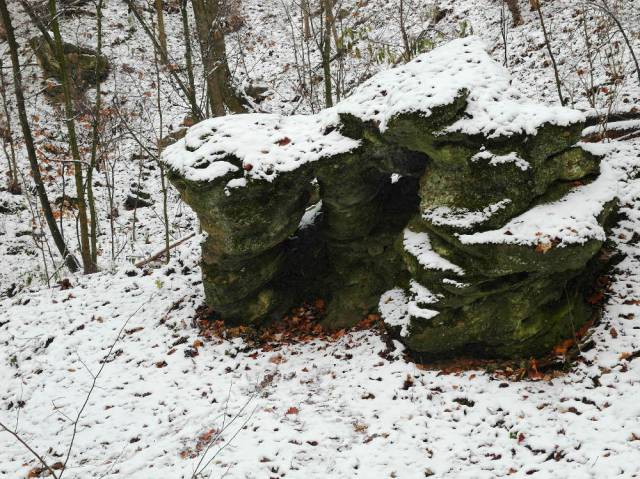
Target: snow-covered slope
325 410
349 408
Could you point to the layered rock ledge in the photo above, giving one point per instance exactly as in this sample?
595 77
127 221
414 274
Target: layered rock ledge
436 194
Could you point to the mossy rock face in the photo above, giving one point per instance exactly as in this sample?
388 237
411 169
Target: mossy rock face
414 206
247 227
515 323
84 64
514 316
512 300
246 221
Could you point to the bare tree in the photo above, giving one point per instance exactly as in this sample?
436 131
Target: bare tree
163 180
69 259
7 137
536 4
408 53
95 140
162 34
209 16
69 112
604 6
325 48
189 94
188 54
504 32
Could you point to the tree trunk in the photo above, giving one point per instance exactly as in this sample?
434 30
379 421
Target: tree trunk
69 259
95 139
14 184
306 22
208 16
514 8
548 43
188 55
326 53
85 248
163 181
162 35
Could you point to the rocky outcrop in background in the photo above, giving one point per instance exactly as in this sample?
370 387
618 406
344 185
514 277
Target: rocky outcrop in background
85 65
465 214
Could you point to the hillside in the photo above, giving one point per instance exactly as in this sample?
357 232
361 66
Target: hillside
170 393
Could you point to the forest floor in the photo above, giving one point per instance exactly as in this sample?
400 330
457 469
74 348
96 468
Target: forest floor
173 399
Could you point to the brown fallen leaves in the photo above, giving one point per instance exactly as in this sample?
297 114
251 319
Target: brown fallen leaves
302 325
202 443
42 471
627 356
283 141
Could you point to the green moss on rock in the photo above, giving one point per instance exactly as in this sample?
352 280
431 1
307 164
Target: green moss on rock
501 298
85 65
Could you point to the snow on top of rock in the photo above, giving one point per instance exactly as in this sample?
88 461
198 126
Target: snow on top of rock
266 144
419 245
614 125
393 310
436 78
461 217
397 309
310 215
496 160
574 218
455 283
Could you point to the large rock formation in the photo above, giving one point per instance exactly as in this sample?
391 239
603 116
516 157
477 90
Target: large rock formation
461 211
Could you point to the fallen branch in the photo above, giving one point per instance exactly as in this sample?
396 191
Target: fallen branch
160 254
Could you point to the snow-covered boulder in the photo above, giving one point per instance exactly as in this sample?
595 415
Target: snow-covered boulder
464 213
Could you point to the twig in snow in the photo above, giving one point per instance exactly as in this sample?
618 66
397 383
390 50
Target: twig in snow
79 415
31 450
200 470
93 385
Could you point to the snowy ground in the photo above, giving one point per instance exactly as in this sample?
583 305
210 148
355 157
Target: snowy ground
348 408
319 409
267 56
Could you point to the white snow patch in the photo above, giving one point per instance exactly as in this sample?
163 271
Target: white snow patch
310 215
433 79
462 217
574 218
393 310
234 183
265 144
455 283
614 125
419 297
397 309
496 160
419 245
